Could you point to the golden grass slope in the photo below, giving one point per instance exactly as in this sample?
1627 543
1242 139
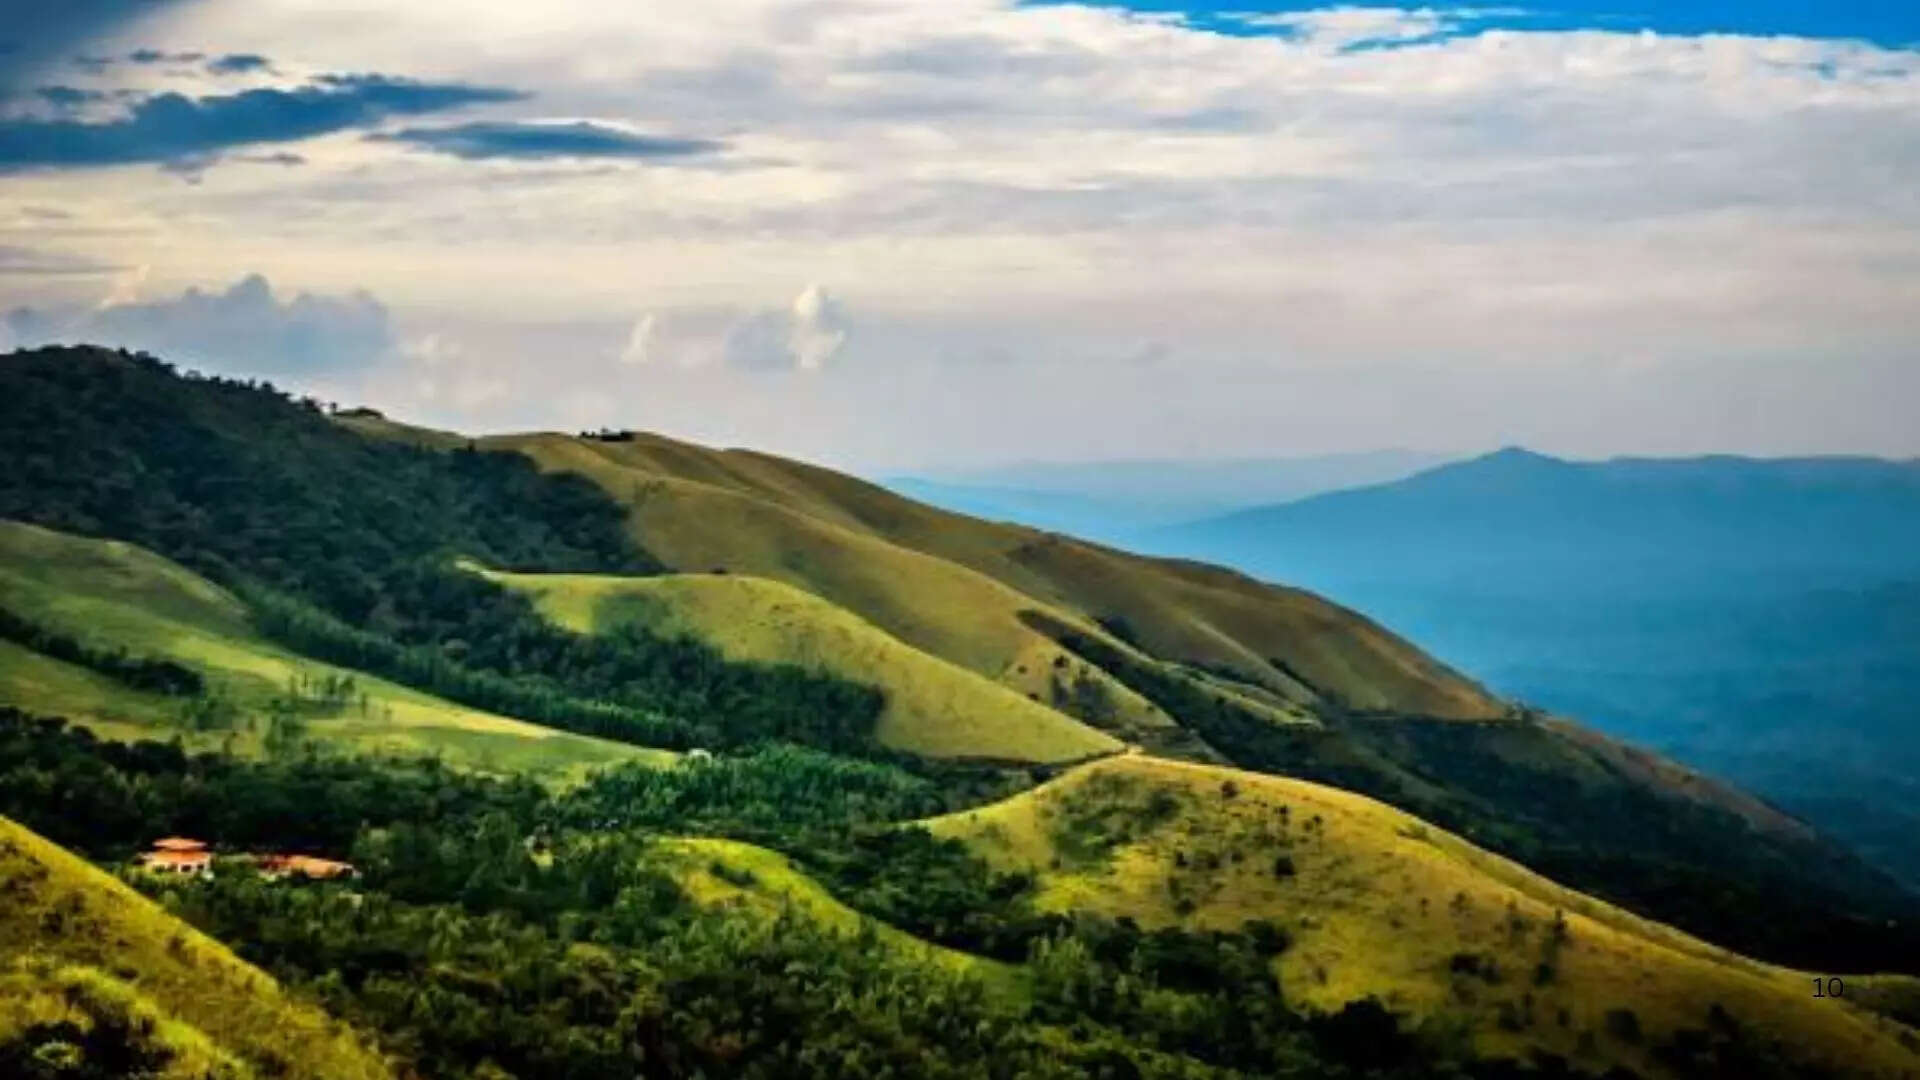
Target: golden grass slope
933 708
866 548
77 945
111 593
1381 904
935 605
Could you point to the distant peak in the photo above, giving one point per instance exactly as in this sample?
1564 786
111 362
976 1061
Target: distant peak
1519 455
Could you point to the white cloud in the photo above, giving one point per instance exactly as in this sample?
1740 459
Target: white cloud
242 330
804 336
433 350
818 329
640 348
1340 27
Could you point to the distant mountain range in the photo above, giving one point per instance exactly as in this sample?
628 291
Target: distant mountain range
1757 618
1515 512
1111 500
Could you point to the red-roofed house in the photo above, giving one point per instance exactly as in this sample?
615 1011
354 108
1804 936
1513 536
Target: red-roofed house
177 855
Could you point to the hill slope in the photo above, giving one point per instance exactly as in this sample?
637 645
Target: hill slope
933 707
78 947
1599 815
954 585
116 595
1757 618
1379 903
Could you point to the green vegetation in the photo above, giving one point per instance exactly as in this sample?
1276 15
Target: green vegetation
98 982
932 707
132 601
491 932
953 585
767 906
1524 790
347 544
499 926
151 674
1372 903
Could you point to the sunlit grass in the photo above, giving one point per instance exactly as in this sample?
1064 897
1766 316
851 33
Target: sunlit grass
1381 904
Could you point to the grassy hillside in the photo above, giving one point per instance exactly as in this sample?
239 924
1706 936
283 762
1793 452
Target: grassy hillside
743 877
1332 698
933 707
1379 903
115 594
79 948
918 572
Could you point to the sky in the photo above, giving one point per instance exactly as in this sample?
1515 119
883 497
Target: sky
941 233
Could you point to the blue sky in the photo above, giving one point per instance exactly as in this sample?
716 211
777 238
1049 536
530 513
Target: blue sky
1883 22
938 232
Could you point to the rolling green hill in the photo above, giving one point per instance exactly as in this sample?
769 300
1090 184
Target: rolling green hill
738 600
115 595
933 707
1379 903
1332 698
88 963
917 571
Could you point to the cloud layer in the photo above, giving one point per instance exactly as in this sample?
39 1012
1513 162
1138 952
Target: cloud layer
172 127
580 139
1264 228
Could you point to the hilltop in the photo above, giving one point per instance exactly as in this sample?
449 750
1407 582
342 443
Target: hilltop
955 586
1378 903
86 961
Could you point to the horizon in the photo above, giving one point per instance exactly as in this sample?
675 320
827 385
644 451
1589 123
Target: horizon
958 471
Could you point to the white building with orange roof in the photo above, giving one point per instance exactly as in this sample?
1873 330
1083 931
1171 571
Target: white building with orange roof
177 855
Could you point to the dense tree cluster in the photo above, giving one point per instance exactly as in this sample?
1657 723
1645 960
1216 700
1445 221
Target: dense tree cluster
107 798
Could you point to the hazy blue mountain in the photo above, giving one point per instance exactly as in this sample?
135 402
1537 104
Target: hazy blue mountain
1113 500
1758 618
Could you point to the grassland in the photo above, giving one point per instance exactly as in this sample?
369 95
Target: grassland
934 708
79 947
953 585
1381 904
115 594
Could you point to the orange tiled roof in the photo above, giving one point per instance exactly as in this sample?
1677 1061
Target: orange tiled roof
178 843
306 865
176 858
